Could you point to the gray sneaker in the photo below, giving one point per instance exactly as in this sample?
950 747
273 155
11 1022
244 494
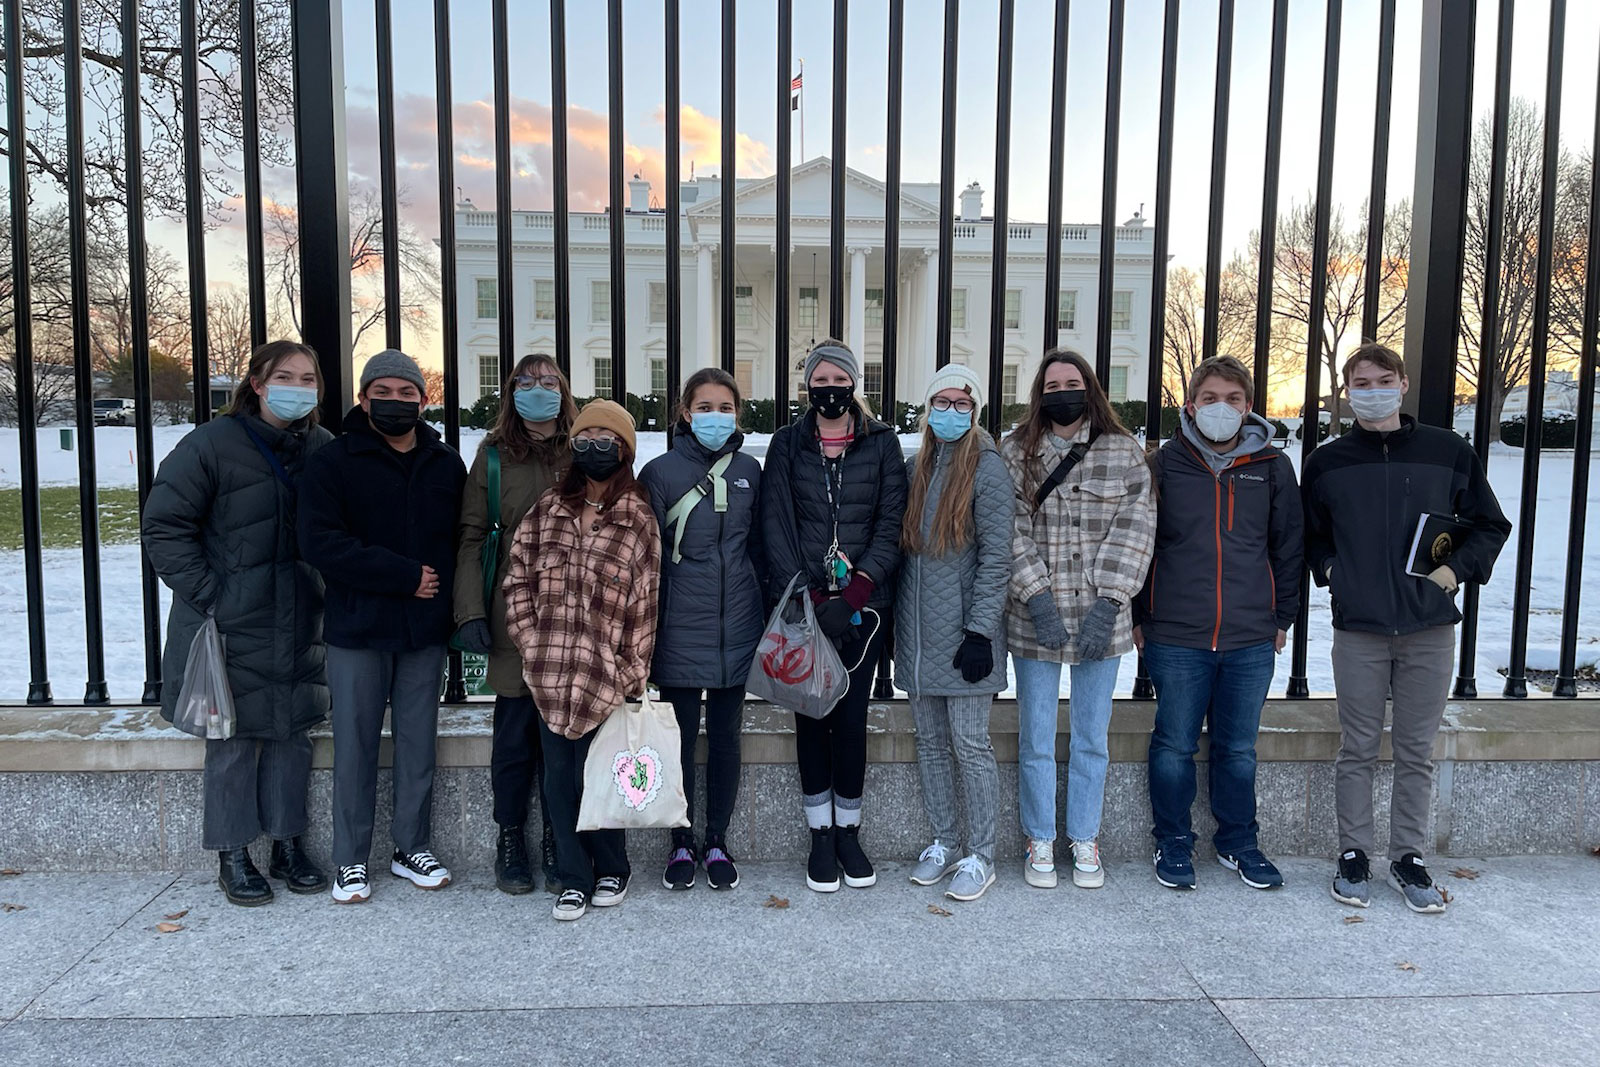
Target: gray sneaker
1352 879
1410 879
973 876
936 861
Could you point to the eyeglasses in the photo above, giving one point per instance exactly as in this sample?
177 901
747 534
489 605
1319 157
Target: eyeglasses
543 381
599 444
965 407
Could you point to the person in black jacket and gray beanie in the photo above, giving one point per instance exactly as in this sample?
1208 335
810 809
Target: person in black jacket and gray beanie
705 493
379 510
219 529
833 496
1393 631
1214 613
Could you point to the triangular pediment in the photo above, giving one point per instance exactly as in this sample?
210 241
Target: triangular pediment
811 190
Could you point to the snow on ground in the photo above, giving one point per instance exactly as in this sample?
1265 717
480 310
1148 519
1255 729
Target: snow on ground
123 615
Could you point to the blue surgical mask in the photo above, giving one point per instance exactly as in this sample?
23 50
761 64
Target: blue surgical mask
713 428
950 424
291 403
537 404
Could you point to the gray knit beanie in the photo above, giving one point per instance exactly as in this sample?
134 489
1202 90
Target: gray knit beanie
392 363
838 355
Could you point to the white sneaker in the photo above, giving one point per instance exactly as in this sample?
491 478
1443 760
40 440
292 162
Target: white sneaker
609 891
1040 869
421 869
570 905
1086 870
350 884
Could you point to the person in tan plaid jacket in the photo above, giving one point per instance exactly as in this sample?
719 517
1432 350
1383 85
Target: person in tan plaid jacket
581 593
1079 556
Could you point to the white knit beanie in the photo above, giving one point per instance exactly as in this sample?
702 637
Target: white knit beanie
954 376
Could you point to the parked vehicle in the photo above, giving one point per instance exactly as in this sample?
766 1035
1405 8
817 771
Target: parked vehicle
113 411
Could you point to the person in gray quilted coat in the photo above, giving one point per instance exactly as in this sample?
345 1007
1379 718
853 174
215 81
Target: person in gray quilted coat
950 649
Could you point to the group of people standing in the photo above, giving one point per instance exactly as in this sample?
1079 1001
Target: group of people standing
340 570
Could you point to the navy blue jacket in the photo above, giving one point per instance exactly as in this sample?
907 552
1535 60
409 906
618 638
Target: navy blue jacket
1363 496
370 518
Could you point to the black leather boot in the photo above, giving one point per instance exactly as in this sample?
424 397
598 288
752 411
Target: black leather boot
512 874
547 859
293 865
241 883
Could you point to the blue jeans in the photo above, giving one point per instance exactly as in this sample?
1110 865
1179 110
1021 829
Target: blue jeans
1192 686
1038 702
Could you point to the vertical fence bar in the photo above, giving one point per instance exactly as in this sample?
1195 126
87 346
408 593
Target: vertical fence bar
841 57
1516 672
1108 193
558 180
783 249
1058 150
730 183
506 302
1466 684
1298 685
388 182
455 690
139 322
1377 209
82 356
22 317
1566 675
1267 244
891 219
618 216
255 255
947 180
674 218
195 210
1002 196
1219 176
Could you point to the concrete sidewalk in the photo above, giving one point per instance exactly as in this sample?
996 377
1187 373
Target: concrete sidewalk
1132 973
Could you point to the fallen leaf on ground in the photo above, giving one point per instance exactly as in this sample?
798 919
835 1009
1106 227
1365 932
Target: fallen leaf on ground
775 901
1593 852
1355 919
1444 894
1404 966
7 906
169 928
1464 872
934 909
179 914
12 872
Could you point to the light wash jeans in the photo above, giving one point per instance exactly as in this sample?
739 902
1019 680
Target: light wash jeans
1038 702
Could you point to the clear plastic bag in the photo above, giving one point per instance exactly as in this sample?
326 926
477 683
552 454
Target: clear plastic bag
205 701
796 666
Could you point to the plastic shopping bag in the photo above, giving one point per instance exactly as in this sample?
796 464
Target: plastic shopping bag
205 702
796 666
633 776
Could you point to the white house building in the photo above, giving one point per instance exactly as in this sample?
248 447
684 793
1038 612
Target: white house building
754 260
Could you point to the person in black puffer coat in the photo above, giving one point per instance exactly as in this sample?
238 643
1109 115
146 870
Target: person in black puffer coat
218 527
711 603
833 495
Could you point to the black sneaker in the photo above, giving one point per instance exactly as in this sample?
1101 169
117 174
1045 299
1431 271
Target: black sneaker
512 873
720 871
858 872
822 869
1174 867
570 905
1355 875
680 865
421 869
1410 879
1255 870
609 891
350 885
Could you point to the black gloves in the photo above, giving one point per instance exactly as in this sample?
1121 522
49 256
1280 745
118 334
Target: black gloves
834 615
474 636
975 658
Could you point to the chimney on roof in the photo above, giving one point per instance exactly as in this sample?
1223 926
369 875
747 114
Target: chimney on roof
638 195
972 203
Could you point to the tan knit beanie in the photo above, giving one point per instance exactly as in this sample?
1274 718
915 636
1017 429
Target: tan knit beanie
607 415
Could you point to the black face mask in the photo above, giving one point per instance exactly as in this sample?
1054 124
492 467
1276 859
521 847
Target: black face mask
831 401
1065 406
597 465
393 418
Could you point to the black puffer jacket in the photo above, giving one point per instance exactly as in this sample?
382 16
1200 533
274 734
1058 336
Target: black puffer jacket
219 527
798 521
711 600
370 518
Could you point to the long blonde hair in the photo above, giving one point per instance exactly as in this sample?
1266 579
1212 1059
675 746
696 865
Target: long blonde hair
952 520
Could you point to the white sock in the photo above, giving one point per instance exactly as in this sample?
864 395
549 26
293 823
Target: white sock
819 810
847 810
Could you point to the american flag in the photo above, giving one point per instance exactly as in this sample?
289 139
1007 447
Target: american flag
794 92
794 83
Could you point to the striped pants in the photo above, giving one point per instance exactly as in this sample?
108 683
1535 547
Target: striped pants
958 727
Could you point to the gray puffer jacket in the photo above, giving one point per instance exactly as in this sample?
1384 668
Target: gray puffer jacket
942 597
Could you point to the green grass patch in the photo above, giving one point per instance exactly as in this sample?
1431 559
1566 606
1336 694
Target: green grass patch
118 510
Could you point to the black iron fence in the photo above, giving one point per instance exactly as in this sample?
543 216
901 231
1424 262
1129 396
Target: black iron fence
1438 232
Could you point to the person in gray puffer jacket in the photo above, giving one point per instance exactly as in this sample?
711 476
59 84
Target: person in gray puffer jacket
950 648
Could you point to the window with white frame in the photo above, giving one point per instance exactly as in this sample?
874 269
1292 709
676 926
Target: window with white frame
1013 309
488 298
1117 388
658 303
1008 384
872 380
806 316
544 300
874 316
488 375
1067 309
602 376
599 302
1122 309
744 374
744 306
658 375
958 309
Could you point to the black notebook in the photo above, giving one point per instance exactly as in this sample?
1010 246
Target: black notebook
1437 538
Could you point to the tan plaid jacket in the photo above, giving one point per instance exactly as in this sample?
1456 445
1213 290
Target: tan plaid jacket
1093 537
581 608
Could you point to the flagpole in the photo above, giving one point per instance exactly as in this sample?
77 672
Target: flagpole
802 111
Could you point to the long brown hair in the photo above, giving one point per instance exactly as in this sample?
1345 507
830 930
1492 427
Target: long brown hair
952 519
575 485
263 361
510 433
1102 417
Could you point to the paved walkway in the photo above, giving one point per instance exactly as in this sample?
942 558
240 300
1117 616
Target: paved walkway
1131 973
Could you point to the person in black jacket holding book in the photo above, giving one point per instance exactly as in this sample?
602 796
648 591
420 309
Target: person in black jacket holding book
379 514
1394 633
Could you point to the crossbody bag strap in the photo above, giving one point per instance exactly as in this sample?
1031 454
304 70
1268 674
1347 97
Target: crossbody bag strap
678 515
1073 457
278 469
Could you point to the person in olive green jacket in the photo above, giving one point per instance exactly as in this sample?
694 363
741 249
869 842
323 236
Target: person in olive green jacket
529 443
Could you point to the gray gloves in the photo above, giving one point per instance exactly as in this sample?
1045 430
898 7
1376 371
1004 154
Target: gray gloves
1094 640
474 636
1047 625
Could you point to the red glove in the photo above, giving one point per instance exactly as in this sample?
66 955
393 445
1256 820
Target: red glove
859 591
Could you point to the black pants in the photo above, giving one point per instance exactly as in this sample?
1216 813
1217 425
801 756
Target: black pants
724 719
254 787
581 858
516 761
832 751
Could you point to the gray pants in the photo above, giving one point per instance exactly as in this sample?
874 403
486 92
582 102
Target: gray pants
958 725
363 682
253 787
1367 670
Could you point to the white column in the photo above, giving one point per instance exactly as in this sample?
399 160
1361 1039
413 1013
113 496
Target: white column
930 308
704 311
858 301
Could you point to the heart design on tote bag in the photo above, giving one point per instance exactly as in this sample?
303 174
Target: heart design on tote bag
637 776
